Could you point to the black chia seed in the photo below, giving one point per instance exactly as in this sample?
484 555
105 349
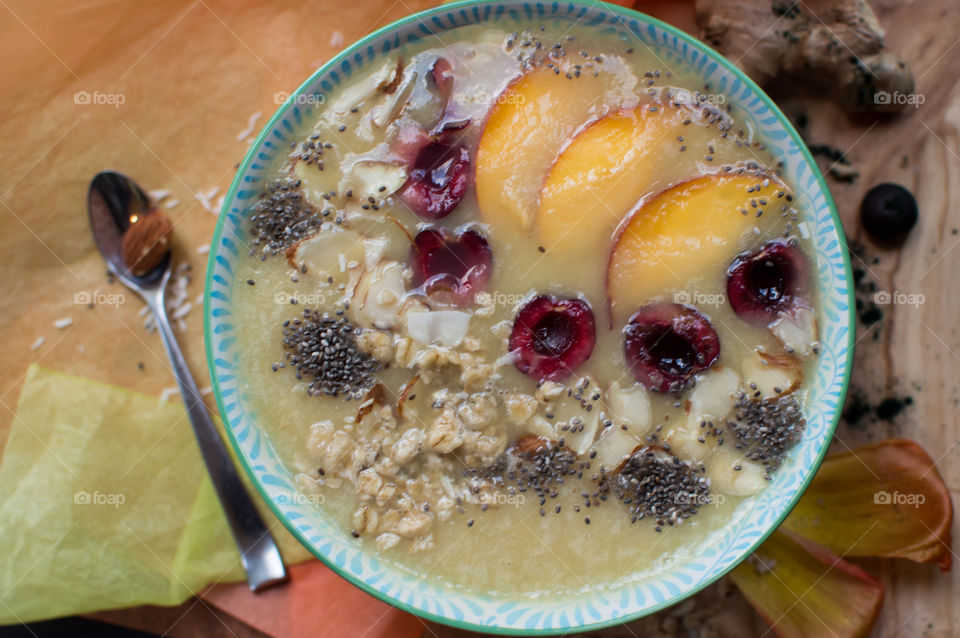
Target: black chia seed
311 150
655 483
322 349
282 217
534 464
766 428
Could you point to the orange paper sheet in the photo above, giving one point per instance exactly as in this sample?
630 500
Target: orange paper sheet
315 603
170 92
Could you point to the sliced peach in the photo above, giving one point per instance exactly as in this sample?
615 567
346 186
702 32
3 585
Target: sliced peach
599 177
613 164
529 124
693 228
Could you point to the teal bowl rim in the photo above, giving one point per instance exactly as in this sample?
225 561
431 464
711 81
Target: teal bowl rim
847 354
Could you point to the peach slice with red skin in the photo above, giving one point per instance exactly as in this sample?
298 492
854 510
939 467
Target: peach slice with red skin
685 231
600 176
528 126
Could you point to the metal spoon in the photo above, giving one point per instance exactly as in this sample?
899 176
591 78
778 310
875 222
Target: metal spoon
113 202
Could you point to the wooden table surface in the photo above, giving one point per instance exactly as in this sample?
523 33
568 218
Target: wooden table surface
227 60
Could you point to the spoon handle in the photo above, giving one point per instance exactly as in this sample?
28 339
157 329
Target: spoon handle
258 552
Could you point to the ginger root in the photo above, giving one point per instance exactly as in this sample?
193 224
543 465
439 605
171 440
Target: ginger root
836 45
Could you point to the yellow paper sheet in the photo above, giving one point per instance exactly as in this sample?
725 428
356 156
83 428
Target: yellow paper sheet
105 503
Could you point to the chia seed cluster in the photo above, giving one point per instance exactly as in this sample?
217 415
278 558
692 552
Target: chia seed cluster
282 217
658 484
322 349
547 464
766 428
311 150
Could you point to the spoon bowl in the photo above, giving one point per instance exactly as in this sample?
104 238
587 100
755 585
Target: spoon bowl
115 202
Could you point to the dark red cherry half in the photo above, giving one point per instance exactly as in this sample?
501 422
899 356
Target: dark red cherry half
451 268
666 344
761 285
552 336
437 180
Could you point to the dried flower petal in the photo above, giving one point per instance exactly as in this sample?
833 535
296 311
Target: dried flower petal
802 589
884 499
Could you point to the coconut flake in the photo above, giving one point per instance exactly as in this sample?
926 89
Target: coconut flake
60 324
158 195
39 342
443 327
251 126
204 200
182 311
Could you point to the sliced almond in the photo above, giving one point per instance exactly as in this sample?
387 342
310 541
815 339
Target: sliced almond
630 406
366 177
376 397
529 445
714 395
771 375
684 441
378 296
576 420
733 474
797 331
329 254
404 394
581 437
711 400
368 87
541 427
614 445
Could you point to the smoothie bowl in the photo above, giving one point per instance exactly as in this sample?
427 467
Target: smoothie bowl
529 317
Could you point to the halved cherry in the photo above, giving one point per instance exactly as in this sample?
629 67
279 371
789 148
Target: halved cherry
552 336
666 344
451 269
763 284
437 180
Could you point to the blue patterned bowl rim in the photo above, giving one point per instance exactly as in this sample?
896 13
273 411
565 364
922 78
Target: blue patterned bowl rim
753 521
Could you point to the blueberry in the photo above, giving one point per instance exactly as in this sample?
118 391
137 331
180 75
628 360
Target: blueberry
888 212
